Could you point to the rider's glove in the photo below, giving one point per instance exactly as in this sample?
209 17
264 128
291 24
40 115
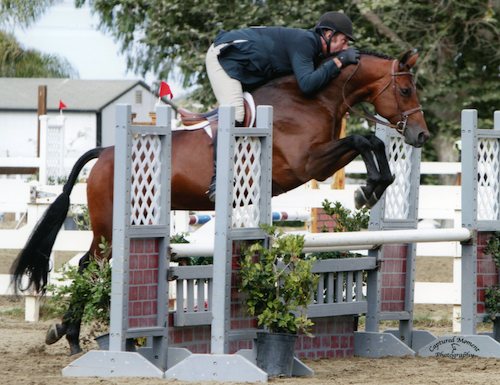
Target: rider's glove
348 56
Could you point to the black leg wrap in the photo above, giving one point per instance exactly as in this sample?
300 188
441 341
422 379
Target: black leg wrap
211 188
372 201
73 337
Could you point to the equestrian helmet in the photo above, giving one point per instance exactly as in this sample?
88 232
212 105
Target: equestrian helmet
337 22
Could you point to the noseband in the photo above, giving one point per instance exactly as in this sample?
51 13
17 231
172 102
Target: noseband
400 126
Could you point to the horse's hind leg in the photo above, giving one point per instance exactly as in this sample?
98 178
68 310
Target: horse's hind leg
71 320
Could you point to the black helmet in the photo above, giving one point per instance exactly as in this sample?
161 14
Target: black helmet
337 22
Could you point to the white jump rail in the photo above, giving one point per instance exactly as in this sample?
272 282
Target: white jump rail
362 240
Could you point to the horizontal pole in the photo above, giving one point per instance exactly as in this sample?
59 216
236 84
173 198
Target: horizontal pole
360 240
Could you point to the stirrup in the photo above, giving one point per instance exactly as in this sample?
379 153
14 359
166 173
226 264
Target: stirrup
211 190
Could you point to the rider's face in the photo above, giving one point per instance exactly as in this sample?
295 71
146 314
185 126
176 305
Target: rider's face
339 42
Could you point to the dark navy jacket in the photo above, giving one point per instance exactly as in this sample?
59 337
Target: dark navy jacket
270 52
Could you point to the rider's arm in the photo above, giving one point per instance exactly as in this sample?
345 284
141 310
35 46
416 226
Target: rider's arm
309 78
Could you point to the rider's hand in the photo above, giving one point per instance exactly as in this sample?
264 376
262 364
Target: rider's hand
348 56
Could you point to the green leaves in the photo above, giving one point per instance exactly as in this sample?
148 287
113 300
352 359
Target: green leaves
278 282
88 295
492 293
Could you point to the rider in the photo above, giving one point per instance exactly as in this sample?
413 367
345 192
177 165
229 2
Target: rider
247 58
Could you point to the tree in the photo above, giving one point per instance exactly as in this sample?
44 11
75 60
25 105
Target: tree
460 61
22 12
15 61
20 63
458 41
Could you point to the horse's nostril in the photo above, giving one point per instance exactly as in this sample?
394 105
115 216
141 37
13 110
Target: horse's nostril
422 137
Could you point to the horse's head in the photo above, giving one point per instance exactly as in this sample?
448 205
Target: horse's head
394 95
396 100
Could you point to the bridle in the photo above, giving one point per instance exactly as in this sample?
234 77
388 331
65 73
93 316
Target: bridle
401 125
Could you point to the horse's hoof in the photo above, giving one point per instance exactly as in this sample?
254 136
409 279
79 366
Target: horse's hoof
74 349
372 201
55 333
359 198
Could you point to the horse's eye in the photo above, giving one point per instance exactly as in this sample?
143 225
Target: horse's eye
405 91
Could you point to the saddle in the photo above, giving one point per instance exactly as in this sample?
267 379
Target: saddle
194 120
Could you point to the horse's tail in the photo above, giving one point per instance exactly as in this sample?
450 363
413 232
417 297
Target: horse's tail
33 260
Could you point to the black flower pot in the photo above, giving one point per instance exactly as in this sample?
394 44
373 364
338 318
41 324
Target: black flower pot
275 352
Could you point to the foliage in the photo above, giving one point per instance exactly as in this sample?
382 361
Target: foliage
492 301
458 42
189 261
278 283
493 248
81 216
22 12
21 63
90 287
345 220
492 293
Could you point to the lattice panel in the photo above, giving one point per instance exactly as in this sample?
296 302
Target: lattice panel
246 191
397 201
55 156
146 187
488 179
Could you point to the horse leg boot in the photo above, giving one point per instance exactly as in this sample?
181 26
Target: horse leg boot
363 196
70 326
71 321
211 187
385 176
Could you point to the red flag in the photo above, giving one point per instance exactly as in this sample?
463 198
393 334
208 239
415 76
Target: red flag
165 90
61 105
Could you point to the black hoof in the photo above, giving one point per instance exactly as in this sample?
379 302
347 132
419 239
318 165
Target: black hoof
359 198
74 349
55 333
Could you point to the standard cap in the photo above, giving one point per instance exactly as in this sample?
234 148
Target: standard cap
338 22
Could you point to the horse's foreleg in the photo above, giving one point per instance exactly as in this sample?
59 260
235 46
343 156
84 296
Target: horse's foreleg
330 157
385 177
71 320
378 172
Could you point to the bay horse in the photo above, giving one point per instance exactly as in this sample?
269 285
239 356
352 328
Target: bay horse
306 145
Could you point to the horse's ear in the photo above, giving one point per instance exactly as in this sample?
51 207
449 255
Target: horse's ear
408 60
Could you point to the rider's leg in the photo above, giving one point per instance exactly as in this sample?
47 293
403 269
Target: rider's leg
228 91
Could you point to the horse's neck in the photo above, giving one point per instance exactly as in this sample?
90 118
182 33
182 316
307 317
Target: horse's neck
357 83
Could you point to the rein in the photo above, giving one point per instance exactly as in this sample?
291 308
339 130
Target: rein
400 126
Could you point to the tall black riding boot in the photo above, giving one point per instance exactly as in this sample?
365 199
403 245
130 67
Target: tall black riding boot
211 188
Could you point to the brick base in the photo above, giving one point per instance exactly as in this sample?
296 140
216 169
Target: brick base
333 337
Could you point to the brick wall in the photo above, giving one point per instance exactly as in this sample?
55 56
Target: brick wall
487 273
321 222
333 337
143 282
393 269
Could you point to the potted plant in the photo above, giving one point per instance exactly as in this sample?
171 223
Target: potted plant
279 286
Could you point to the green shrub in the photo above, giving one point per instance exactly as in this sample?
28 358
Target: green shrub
278 283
